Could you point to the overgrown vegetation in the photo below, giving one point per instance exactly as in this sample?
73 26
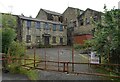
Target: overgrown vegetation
13 48
40 45
106 40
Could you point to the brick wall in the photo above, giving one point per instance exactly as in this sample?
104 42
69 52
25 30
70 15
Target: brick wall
80 39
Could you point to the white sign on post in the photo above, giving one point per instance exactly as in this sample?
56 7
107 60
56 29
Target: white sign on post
93 58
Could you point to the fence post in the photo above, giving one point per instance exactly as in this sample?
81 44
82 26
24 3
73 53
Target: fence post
72 59
25 57
67 68
34 55
58 59
45 57
64 67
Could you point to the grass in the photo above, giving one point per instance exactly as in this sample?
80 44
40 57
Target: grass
16 67
31 73
37 59
104 71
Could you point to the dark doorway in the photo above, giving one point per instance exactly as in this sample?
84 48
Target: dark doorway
46 40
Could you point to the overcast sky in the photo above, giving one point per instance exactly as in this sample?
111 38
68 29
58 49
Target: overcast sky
32 7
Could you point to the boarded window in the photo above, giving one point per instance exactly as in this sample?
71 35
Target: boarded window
54 39
28 38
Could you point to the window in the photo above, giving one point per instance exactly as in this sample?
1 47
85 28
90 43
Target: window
66 20
37 25
61 28
81 22
74 24
54 27
46 27
61 40
95 17
54 39
28 23
28 38
87 21
37 39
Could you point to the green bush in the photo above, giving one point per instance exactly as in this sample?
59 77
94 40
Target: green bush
78 46
17 49
43 46
8 36
13 68
32 74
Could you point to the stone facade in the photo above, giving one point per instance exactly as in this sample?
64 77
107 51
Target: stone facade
52 28
48 15
35 31
85 25
70 19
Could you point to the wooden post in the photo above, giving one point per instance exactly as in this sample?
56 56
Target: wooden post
34 55
45 57
63 67
72 59
67 68
25 57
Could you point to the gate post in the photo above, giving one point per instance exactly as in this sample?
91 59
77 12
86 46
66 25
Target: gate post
34 55
58 59
67 68
72 59
64 67
45 57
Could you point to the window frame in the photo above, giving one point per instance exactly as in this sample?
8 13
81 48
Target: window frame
61 26
37 25
54 27
28 23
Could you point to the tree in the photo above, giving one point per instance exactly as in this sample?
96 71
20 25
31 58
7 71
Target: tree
8 36
106 40
9 21
8 31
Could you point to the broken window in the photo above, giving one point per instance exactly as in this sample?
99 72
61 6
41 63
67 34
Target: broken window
95 17
87 21
81 22
74 23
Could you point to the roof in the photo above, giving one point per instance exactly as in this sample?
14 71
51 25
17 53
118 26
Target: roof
72 8
35 19
90 10
51 12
